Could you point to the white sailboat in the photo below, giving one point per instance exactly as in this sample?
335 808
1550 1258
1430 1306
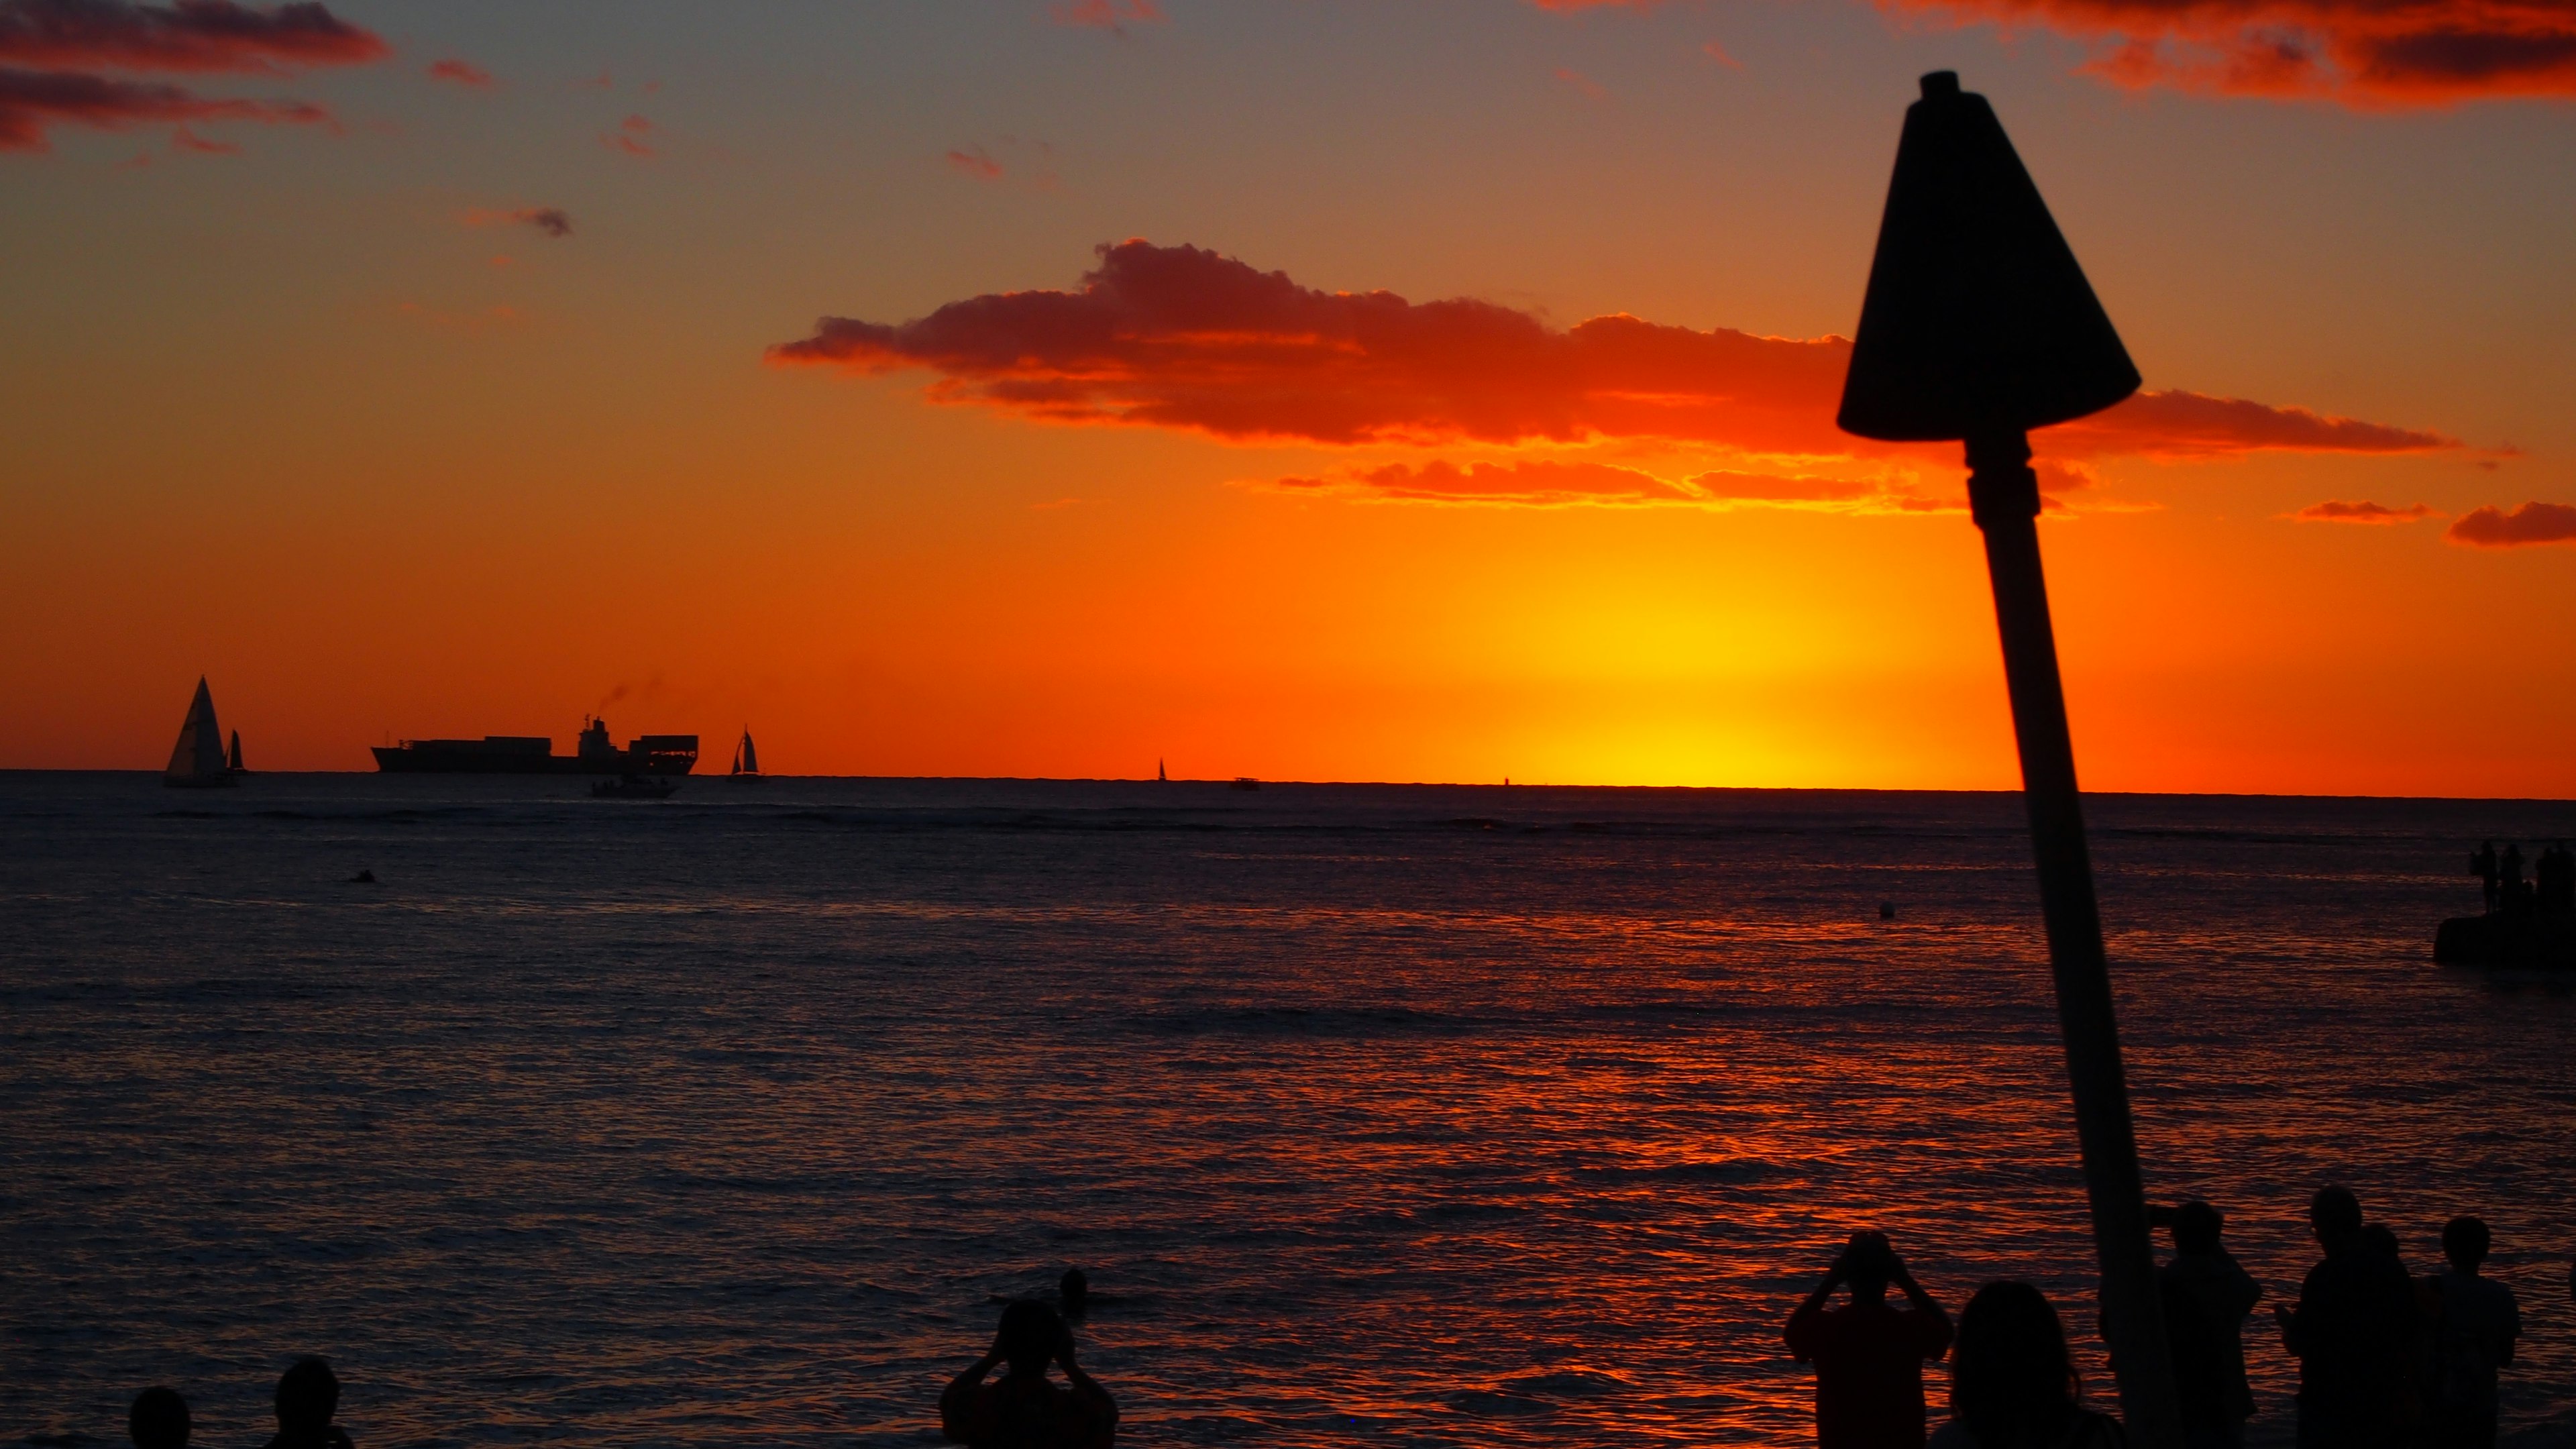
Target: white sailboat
746 760
197 761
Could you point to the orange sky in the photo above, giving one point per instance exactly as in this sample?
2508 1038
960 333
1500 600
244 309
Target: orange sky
470 405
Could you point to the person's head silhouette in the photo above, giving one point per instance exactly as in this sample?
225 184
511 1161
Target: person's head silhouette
2196 1228
308 1394
2334 1215
158 1420
1030 1335
1869 1265
2465 1241
2011 1381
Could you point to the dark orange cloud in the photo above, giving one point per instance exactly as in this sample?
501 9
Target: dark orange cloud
189 35
2532 523
2363 52
1180 337
461 72
2336 510
32 101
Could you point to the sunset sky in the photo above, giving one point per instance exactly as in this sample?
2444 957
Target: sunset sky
1383 390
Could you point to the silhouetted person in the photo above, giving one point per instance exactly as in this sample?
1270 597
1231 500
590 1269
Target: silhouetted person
1024 1410
2353 1332
2555 876
158 1420
1074 1291
1869 1355
2012 1385
308 1394
2473 1337
2206 1299
2511 884
2482 864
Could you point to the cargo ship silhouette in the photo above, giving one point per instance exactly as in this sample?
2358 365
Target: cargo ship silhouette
534 755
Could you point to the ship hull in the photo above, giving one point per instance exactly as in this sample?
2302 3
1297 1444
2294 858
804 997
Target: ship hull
472 757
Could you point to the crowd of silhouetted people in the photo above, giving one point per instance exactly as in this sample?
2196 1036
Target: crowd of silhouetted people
2551 891
2386 1360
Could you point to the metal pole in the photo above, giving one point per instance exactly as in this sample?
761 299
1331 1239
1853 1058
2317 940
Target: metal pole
2003 494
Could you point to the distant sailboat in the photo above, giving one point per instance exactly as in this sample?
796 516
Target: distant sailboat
197 761
746 760
232 760
1158 773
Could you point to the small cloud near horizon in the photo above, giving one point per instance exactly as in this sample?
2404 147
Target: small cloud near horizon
2526 526
2336 510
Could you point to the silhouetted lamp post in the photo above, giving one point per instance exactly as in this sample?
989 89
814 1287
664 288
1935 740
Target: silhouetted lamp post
1979 326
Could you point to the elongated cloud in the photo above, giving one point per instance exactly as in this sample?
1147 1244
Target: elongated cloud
1179 337
2377 53
2532 523
190 35
461 73
2336 510
554 221
1553 481
31 101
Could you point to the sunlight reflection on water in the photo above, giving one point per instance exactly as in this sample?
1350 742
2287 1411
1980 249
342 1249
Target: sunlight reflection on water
1444 1115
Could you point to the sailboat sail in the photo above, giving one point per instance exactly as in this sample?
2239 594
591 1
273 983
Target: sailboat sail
198 758
750 763
232 761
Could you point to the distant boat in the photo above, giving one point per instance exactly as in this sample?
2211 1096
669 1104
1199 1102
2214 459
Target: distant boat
197 761
1244 782
633 787
232 761
593 754
1159 776
746 760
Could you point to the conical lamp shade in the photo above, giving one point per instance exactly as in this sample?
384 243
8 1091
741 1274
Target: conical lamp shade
1978 319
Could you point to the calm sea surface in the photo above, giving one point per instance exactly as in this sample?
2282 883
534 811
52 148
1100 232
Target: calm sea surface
1432 1115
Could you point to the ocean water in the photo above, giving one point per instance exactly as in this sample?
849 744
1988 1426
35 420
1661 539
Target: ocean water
1471 1116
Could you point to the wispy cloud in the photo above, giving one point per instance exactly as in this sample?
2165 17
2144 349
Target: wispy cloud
977 162
554 221
31 102
1114 15
636 136
69 42
461 73
191 35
